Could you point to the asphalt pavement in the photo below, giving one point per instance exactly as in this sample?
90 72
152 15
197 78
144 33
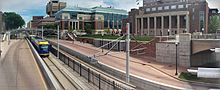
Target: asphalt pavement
18 69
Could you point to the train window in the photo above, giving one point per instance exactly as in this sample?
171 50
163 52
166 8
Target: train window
44 47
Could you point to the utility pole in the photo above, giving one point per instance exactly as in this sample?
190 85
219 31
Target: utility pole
128 54
58 37
42 33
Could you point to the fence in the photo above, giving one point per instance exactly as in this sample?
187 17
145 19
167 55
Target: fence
206 36
93 77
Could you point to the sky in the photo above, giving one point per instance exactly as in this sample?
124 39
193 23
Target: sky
29 8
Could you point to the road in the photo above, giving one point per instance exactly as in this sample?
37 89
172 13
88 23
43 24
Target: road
144 71
18 69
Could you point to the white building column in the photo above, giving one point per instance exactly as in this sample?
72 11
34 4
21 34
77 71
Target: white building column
170 25
142 26
155 26
148 25
78 25
187 23
178 24
72 25
136 26
75 25
117 25
162 25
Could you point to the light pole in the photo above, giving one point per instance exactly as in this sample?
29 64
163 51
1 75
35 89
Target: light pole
168 32
176 58
128 54
42 33
58 37
102 40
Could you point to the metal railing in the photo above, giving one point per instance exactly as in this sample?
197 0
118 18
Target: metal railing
102 82
206 36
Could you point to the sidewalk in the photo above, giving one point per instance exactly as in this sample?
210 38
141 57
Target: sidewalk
144 67
5 46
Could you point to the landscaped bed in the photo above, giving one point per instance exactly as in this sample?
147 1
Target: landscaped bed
99 36
190 77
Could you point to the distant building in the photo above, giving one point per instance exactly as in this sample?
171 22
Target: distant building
39 21
169 17
33 24
214 12
2 24
53 6
100 18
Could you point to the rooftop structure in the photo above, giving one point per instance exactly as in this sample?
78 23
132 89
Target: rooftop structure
53 6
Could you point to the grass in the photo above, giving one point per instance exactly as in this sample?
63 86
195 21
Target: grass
112 37
188 76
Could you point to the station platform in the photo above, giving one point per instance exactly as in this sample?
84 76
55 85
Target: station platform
18 68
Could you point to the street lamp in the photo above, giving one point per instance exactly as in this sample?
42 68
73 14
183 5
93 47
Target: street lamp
128 54
58 37
168 32
176 57
102 40
42 32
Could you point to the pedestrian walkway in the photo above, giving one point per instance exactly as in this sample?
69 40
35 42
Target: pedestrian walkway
18 68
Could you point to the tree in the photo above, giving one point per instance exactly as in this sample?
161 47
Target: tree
88 28
13 20
50 26
214 24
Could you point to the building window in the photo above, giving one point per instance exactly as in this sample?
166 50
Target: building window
173 7
167 7
153 9
180 6
202 19
147 9
160 8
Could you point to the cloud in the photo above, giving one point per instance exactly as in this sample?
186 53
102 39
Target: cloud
29 8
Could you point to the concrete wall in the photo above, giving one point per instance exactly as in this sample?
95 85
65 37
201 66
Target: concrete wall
203 58
184 50
166 53
141 83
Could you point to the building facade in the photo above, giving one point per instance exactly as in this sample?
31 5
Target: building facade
2 24
33 24
53 6
38 21
98 18
169 17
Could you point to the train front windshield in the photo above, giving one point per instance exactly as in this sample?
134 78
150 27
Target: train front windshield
44 48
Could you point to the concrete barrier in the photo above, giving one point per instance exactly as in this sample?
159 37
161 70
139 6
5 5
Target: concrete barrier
50 79
139 82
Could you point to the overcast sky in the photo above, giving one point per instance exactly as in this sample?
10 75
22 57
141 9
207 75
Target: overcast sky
29 8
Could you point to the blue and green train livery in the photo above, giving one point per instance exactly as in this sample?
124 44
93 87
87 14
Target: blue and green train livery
42 46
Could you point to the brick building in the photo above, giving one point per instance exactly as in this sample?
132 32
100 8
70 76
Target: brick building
169 17
33 24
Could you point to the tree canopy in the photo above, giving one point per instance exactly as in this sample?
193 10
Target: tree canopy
214 24
13 20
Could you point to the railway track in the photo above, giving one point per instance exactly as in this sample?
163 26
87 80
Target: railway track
62 77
